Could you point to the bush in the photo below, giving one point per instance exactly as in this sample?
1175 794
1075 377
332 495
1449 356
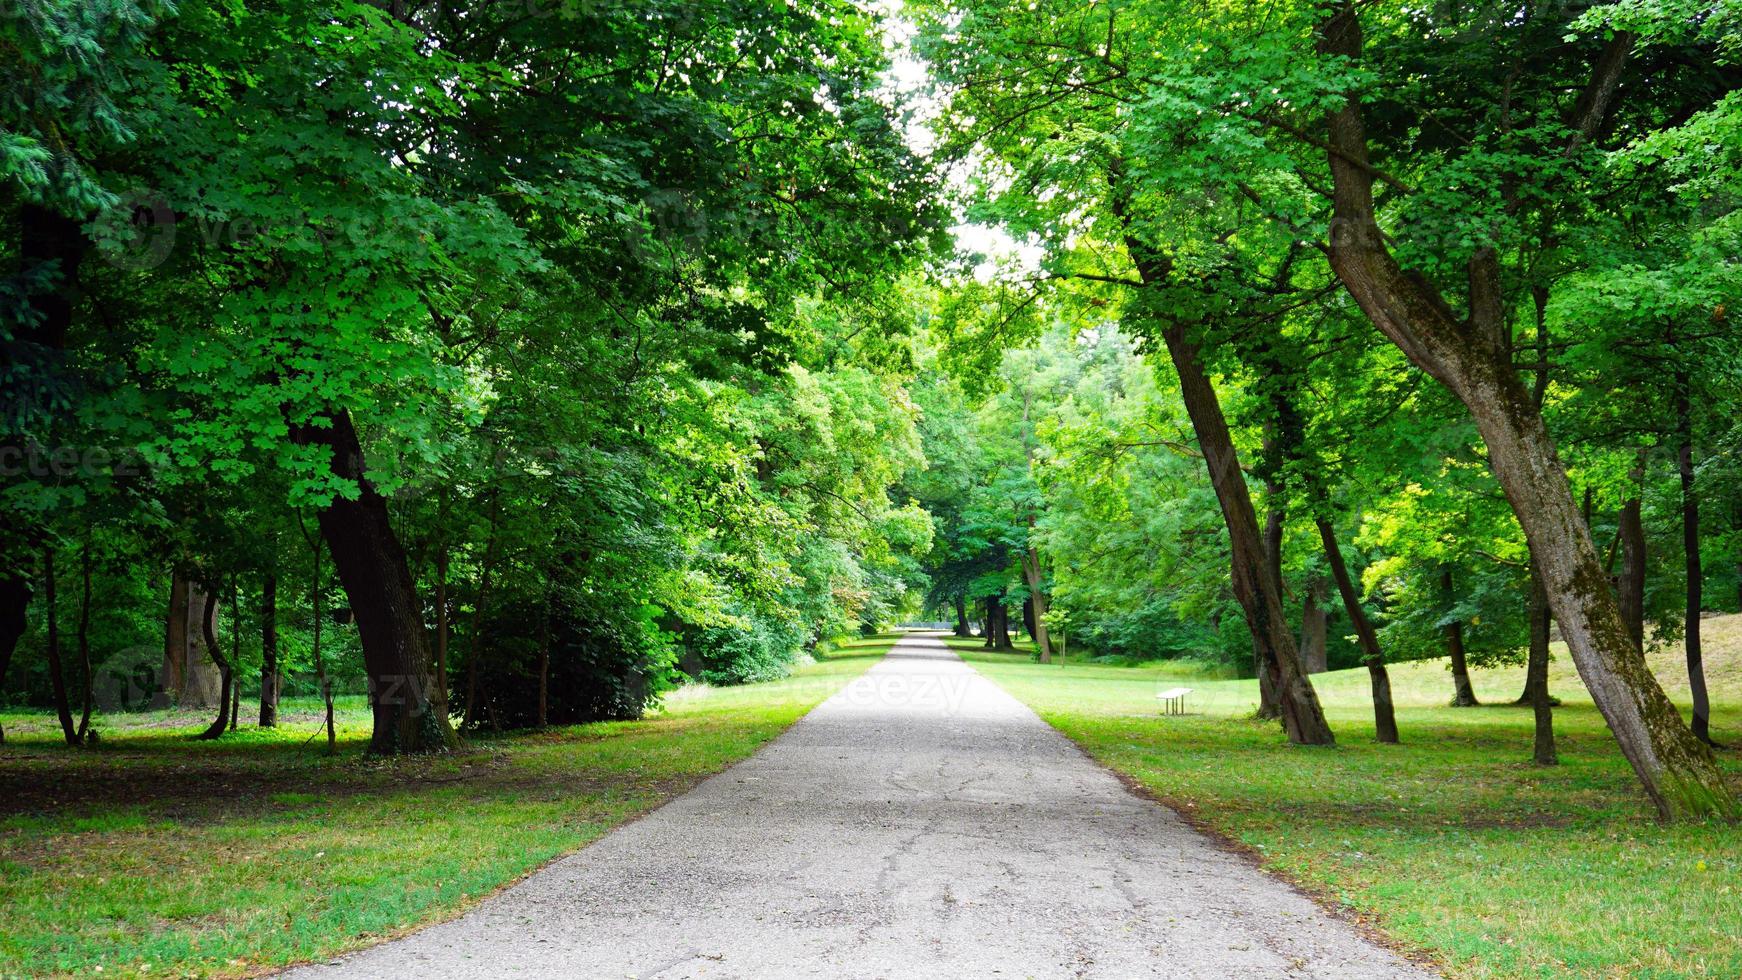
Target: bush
604 666
763 649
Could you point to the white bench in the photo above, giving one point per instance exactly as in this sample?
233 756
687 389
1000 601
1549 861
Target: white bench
1173 700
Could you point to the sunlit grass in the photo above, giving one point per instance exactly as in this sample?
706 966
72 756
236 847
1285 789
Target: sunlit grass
156 855
1451 842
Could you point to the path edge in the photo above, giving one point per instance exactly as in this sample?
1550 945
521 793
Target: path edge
1321 896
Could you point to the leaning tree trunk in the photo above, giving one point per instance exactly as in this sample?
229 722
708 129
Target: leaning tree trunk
1379 679
962 617
226 670
991 624
1702 724
269 674
372 568
1254 588
1472 358
1536 675
1259 594
1463 694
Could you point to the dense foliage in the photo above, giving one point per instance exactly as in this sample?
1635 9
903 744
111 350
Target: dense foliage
516 363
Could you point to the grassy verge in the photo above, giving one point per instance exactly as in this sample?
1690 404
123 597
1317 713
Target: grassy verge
1452 843
156 856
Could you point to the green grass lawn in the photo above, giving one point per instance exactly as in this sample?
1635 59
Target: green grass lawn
157 856
1451 843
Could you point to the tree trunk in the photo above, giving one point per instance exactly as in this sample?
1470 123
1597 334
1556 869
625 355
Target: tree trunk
1314 628
45 238
1269 708
1257 591
443 630
14 617
1035 609
175 641
475 646
235 655
475 649
315 605
998 632
544 664
373 570
1702 722
1536 675
1379 679
85 637
962 617
226 673
269 676
57 678
189 678
1472 359
1630 587
1463 695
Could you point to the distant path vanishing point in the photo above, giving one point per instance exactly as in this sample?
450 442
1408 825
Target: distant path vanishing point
920 823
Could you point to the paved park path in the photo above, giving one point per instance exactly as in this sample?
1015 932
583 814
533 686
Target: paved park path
921 823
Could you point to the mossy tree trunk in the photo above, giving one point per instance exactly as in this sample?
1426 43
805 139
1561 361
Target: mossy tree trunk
1472 357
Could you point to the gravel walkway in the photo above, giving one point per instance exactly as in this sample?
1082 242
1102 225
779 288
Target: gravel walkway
921 823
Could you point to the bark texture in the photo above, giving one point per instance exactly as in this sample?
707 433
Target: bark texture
1257 591
188 678
372 568
1471 357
